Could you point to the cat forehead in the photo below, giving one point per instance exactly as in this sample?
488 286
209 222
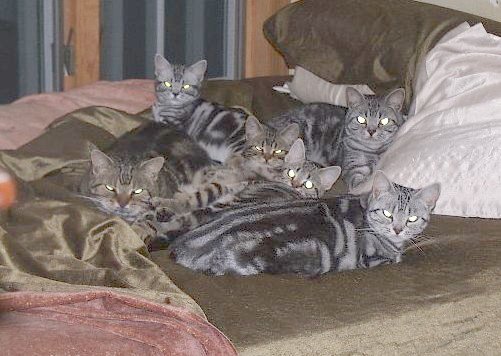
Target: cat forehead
402 199
372 106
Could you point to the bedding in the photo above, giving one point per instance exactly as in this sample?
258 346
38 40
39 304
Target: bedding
373 42
102 323
454 137
57 243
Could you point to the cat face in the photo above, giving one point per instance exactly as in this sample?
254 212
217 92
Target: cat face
397 212
266 145
178 85
371 120
120 188
307 178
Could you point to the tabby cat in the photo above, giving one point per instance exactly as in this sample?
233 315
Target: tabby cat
217 129
353 137
297 178
309 237
151 161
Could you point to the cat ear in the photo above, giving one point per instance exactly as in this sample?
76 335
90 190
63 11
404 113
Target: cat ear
100 161
162 66
290 133
329 176
354 97
198 69
296 153
396 99
152 167
253 128
381 184
429 195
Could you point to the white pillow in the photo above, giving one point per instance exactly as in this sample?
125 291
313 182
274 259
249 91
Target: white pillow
455 135
310 88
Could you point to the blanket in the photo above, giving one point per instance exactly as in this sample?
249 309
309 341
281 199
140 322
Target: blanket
102 322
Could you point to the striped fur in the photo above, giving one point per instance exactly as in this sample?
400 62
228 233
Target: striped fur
125 179
352 138
307 236
219 130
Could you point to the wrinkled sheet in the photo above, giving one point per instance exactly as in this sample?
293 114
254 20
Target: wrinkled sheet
102 323
24 119
454 137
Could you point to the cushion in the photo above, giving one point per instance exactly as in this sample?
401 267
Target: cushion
455 136
375 42
310 88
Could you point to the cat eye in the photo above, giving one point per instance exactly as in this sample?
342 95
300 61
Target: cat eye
138 191
387 213
412 218
361 120
279 151
186 86
258 148
291 173
308 184
167 84
384 121
109 187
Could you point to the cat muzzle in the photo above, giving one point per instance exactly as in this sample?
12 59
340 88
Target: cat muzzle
123 200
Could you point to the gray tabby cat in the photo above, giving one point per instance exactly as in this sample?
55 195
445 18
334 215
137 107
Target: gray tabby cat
151 161
219 130
310 237
353 138
297 178
263 155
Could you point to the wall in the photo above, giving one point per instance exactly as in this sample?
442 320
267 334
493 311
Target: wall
485 8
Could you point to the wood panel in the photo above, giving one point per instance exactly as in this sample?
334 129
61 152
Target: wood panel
83 16
261 58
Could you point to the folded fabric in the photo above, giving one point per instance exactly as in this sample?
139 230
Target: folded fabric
102 323
310 88
455 135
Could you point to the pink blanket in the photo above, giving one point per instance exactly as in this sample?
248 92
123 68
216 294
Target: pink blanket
102 323
24 119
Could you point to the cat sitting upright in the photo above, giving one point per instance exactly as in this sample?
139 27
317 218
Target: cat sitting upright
354 137
219 130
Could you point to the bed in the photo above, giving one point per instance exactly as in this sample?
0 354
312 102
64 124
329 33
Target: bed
59 256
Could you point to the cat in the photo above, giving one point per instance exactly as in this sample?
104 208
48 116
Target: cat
264 153
151 161
296 179
217 129
353 137
310 237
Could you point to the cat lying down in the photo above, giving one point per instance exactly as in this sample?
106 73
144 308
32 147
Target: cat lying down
308 236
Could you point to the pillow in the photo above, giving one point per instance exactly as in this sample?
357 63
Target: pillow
309 88
375 42
455 136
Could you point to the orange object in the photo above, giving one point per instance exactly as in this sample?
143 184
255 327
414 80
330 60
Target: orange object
7 190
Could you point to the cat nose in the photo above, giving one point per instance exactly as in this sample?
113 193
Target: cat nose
267 157
123 200
371 131
296 184
397 230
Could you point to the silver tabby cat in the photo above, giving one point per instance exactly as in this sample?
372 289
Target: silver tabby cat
151 161
297 178
219 130
309 237
353 137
